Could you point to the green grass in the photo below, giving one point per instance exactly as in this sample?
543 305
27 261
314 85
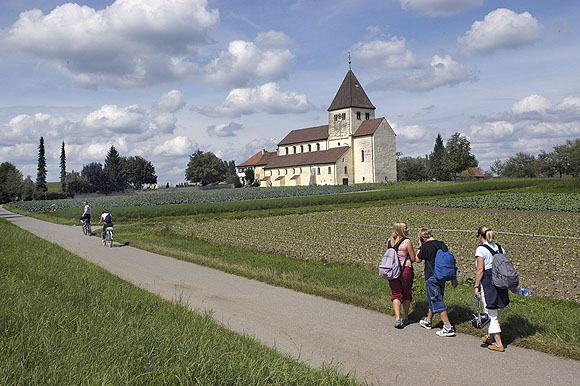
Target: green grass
543 324
66 321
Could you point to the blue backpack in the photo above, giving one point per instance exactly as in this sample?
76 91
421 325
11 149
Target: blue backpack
445 267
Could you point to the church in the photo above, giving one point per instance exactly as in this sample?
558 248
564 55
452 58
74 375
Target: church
355 147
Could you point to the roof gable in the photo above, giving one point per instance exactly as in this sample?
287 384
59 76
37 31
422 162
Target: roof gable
350 94
253 160
305 135
368 127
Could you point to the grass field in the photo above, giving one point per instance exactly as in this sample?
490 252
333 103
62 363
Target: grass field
64 321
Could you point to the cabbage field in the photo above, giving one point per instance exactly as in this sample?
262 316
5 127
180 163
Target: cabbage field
544 246
202 196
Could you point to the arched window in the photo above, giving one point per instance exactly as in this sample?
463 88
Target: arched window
301 149
317 146
293 149
358 115
362 155
286 150
309 147
329 170
345 170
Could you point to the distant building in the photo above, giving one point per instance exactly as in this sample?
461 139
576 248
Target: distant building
473 173
355 147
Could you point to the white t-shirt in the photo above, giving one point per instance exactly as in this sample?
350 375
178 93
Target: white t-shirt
482 251
87 209
104 215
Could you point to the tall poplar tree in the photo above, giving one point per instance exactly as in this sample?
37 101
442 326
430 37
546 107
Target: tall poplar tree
41 170
114 168
62 168
436 166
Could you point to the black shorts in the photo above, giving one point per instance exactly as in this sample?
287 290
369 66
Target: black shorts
86 216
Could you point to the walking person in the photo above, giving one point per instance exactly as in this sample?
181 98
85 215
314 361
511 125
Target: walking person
402 286
428 247
493 298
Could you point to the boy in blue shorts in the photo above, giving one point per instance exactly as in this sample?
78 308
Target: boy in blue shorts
435 288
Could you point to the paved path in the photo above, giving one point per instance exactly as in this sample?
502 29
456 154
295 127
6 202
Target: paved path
314 329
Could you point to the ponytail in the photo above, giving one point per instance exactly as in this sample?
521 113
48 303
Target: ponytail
486 233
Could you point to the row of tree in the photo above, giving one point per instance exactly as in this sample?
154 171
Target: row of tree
444 162
562 160
116 174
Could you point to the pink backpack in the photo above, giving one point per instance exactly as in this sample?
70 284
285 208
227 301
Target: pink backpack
390 266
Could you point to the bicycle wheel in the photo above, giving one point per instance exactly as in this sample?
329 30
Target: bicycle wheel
89 231
84 226
110 234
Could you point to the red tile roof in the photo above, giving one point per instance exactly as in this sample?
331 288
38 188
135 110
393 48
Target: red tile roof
308 158
471 172
350 94
309 134
253 159
368 127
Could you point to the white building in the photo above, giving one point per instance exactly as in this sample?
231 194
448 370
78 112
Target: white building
355 147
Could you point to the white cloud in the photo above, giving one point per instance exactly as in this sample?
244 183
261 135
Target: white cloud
380 54
410 133
440 7
266 59
131 43
113 119
495 130
441 71
178 146
224 129
265 98
531 103
170 102
30 127
501 28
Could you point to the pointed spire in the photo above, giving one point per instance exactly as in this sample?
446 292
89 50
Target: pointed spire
350 94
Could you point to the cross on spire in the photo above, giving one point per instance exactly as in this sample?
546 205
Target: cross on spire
349 62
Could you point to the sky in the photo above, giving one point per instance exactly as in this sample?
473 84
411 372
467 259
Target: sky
161 79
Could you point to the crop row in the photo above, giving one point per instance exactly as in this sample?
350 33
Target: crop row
559 202
206 196
550 266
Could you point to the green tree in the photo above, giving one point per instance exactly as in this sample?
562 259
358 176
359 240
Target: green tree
458 155
62 168
139 172
97 178
436 167
115 171
497 167
205 168
567 158
250 176
41 169
520 165
28 189
77 183
413 169
11 184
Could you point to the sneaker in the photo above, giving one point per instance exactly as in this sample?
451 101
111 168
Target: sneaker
398 324
426 323
486 339
446 331
495 347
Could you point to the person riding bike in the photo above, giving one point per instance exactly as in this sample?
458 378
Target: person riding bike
86 213
107 220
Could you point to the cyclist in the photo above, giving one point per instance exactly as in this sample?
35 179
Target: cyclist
86 213
107 221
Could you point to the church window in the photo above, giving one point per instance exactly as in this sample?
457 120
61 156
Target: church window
317 146
367 116
301 149
309 147
286 150
293 171
293 149
278 171
335 117
345 170
362 155
358 115
343 116
339 144
318 171
329 170
363 178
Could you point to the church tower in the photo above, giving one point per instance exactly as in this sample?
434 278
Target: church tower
351 107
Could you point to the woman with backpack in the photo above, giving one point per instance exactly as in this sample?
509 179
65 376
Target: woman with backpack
402 286
493 298
107 221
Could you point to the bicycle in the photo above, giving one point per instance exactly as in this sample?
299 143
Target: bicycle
109 237
87 228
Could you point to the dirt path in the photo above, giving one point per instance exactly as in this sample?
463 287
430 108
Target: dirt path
314 329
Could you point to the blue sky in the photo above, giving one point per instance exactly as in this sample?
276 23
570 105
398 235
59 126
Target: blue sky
163 78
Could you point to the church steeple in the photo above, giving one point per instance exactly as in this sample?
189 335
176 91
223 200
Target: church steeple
350 94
